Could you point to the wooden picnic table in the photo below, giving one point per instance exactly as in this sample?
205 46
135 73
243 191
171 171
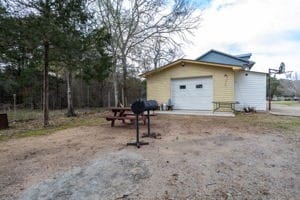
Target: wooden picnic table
120 111
225 104
123 114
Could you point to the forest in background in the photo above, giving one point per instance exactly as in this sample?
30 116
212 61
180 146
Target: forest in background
85 53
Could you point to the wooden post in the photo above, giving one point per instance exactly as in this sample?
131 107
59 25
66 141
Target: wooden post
88 96
15 105
269 89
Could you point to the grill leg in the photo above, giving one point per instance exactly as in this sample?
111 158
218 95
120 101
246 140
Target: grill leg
149 134
138 143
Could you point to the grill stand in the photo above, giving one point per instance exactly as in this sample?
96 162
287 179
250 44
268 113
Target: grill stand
149 134
138 143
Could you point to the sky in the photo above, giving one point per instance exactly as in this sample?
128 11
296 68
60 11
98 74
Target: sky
269 29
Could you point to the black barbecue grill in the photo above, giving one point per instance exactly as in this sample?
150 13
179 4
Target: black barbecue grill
138 108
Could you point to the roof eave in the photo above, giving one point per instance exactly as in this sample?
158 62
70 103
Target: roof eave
225 54
233 67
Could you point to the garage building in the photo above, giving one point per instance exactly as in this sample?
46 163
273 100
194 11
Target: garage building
195 84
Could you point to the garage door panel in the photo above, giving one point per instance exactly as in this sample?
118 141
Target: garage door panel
192 97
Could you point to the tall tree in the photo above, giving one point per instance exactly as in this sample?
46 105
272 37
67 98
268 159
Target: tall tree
42 20
156 52
72 19
96 63
18 51
60 26
132 23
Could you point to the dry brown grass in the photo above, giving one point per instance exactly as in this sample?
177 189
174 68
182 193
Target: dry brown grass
30 123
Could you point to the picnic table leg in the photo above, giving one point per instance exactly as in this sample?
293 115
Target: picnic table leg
121 114
115 113
112 123
217 107
233 107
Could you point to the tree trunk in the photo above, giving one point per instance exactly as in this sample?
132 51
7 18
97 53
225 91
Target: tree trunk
116 91
108 99
70 112
115 84
101 95
124 86
56 91
88 96
80 93
46 84
115 80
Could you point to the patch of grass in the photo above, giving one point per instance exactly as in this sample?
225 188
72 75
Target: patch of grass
30 124
24 115
283 123
287 103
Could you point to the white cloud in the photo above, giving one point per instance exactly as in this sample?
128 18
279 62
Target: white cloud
269 29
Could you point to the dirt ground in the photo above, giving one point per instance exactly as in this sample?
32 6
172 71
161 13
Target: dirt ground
196 158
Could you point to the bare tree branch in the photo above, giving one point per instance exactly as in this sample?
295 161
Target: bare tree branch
146 26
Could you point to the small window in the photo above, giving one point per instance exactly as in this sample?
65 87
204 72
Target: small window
199 86
182 87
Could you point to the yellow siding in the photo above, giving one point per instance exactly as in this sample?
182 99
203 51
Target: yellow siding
159 84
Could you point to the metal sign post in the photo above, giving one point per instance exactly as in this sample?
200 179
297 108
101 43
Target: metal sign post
275 71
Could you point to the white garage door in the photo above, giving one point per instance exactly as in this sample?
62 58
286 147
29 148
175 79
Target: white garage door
192 93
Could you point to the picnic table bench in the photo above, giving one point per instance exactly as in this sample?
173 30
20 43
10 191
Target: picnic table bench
225 104
123 118
123 114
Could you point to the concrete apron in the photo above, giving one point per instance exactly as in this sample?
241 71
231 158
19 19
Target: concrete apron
197 112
